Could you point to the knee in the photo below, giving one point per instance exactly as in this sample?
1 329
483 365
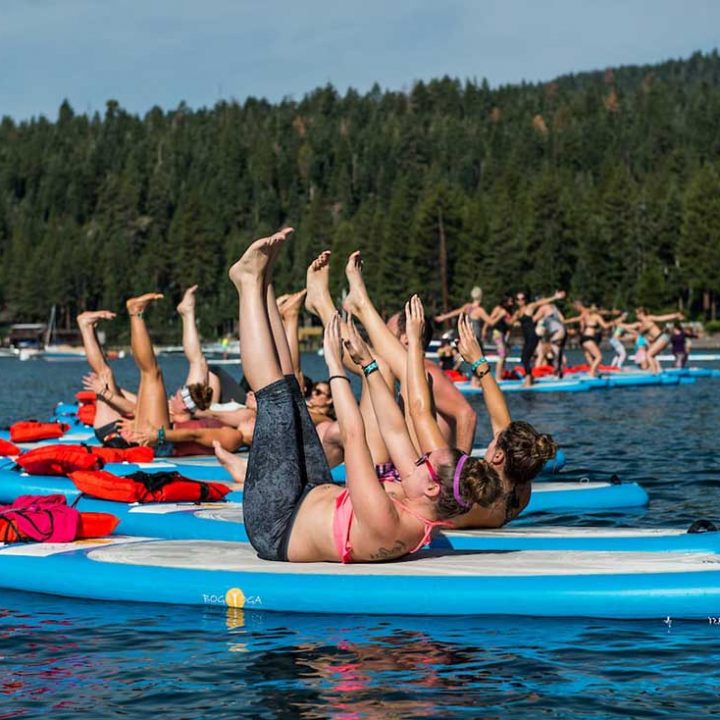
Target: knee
152 374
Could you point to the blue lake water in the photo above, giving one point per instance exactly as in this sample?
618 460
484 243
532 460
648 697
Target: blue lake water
69 659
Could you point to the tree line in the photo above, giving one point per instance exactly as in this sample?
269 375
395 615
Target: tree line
606 184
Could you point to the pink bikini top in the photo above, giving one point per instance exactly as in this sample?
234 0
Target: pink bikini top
343 517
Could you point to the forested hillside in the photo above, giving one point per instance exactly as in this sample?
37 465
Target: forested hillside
606 184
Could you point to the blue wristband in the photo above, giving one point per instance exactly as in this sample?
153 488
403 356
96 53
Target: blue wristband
478 363
371 367
161 436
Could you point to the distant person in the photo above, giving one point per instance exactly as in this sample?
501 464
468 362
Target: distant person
592 325
657 339
679 343
473 310
499 323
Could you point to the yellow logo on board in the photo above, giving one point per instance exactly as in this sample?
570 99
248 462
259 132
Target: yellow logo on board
235 598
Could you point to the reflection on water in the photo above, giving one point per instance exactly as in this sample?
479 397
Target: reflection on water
74 659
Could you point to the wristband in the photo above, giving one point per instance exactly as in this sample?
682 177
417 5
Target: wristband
338 377
370 368
478 363
161 435
482 373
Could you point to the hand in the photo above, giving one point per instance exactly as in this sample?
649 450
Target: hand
414 320
332 344
129 432
357 348
560 295
468 344
92 382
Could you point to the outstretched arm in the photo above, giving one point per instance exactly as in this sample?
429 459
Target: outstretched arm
667 317
418 391
371 503
495 316
492 395
533 306
450 314
389 416
230 439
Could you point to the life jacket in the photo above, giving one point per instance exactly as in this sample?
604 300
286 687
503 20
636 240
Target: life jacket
139 454
181 449
48 518
145 487
86 396
86 413
31 430
59 460
88 407
7 448
543 370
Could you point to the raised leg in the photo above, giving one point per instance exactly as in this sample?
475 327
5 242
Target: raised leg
87 323
318 301
289 310
260 360
152 403
198 372
358 303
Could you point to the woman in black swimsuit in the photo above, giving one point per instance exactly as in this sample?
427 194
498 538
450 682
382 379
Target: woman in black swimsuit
525 314
499 323
592 325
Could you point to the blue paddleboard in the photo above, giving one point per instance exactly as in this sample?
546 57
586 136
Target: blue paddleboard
433 582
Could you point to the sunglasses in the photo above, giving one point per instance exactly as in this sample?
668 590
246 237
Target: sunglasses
425 460
318 391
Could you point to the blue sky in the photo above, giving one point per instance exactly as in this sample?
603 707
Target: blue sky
159 52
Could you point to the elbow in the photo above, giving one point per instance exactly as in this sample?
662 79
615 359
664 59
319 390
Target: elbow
468 417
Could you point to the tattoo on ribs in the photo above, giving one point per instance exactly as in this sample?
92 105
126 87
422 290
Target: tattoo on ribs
399 548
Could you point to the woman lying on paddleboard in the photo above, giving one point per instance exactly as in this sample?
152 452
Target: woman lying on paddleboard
292 510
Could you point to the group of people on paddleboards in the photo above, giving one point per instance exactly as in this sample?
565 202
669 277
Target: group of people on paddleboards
545 331
408 462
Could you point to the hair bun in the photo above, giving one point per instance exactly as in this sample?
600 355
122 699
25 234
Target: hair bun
546 446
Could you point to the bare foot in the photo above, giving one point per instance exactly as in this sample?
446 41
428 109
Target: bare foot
357 298
187 304
234 464
293 303
90 318
138 304
317 282
255 259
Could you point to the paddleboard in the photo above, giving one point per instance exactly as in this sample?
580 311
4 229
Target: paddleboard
433 582
546 496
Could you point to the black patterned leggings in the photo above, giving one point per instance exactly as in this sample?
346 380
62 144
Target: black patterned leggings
286 461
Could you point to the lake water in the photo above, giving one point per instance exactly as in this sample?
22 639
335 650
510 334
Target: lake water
69 659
